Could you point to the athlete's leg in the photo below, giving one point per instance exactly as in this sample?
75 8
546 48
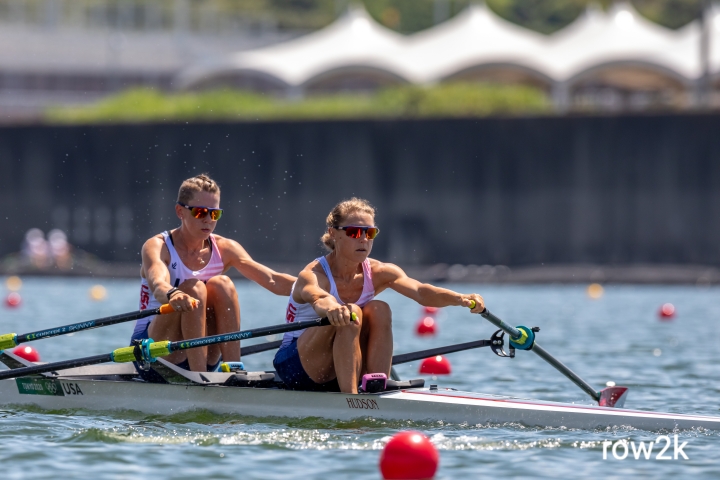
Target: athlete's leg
223 316
376 338
333 352
185 325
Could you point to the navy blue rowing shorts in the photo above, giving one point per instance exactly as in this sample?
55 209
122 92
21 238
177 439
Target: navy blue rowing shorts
289 368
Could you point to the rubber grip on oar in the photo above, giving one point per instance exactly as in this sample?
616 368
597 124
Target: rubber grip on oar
123 355
167 308
8 340
159 349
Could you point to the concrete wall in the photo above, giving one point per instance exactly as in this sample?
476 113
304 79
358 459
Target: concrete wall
498 191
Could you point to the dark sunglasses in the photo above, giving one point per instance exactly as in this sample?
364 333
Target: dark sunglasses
202 212
353 231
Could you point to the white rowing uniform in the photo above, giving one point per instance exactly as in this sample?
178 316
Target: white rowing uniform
301 312
178 274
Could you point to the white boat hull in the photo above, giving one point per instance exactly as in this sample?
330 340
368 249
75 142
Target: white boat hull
413 404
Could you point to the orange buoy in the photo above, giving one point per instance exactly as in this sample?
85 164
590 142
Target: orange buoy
667 311
437 365
28 353
409 455
13 300
595 291
426 326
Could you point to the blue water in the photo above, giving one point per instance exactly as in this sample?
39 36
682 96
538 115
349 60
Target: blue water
669 366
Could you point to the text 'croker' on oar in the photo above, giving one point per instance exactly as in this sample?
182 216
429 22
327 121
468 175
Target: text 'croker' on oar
149 350
523 338
10 340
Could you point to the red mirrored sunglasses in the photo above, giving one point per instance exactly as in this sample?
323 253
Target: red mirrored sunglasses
354 231
202 212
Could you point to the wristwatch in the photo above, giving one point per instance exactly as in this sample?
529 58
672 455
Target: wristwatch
170 292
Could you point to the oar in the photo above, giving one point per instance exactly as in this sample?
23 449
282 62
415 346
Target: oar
150 350
524 339
396 359
10 340
422 354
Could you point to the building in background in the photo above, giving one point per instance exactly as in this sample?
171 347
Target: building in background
72 52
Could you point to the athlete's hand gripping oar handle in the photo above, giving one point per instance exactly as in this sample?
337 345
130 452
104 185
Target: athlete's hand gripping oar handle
516 334
10 340
150 350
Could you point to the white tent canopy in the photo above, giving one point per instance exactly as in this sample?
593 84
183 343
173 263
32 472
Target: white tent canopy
476 38
355 40
621 35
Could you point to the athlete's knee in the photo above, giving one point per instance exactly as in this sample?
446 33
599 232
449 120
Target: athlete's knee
221 284
378 312
195 288
358 316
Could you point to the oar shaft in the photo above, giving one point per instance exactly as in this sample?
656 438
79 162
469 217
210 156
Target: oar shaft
159 349
263 347
10 340
90 324
51 367
244 335
459 347
510 330
542 353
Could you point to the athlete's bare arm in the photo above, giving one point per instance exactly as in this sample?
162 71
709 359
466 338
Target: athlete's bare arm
155 259
387 275
234 255
154 267
312 287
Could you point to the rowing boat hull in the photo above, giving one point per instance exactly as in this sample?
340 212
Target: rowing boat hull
448 405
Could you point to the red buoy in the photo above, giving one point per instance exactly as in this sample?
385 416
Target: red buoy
438 365
431 310
667 311
409 455
28 353
13 300
426 326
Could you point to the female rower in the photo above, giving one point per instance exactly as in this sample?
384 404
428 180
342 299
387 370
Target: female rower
184 267
343 282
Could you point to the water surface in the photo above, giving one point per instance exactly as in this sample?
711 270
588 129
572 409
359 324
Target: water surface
669 366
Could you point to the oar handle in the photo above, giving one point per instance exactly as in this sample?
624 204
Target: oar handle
164 309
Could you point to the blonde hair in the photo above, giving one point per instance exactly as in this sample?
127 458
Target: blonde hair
199 183
340 212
